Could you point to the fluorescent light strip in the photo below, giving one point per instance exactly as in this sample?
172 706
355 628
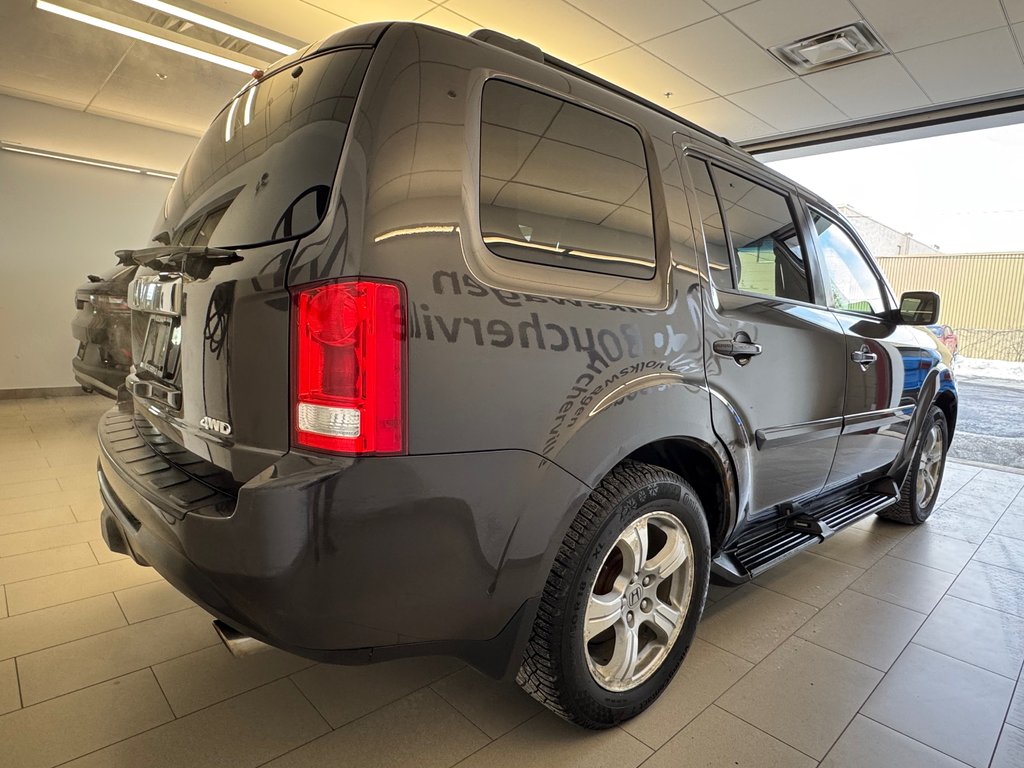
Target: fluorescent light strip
247 114
85 161
230 122
145 37
227 29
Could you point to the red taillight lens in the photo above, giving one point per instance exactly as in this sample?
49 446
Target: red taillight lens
349 367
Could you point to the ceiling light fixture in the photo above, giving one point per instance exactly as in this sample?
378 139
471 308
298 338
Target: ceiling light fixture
145 37
844 45
227 29
83 160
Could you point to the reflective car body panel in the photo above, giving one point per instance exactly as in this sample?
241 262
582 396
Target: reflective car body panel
532 368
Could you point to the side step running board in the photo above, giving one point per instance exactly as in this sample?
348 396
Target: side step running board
757 551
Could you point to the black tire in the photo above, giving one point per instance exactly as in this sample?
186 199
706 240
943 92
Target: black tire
909 509
555 669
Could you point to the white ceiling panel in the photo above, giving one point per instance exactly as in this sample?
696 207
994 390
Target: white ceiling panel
293 18
445 19
726 119
656 17
361 11
913 23
1014 10
57 59
557 27
789 105
872 87
774 22
645 74
976 65
718 55
726 5
134 88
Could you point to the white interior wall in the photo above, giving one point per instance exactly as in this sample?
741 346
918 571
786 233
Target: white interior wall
58 222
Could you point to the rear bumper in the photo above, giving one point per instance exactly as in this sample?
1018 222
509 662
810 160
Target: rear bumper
348 561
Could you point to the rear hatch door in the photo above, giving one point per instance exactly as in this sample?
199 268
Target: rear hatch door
210 307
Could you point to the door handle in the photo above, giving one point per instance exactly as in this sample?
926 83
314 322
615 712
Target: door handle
740 349
863 356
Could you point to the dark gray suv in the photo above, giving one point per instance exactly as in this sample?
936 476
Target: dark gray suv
483 356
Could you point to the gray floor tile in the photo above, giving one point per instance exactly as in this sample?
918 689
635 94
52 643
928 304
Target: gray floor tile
28 488
706 673
10 699
945 703
926 547
42 501
244 731
51 733
1012 525
547 740
803 695
863 628
867 744
1016 714
958 526
342 694
102 552
902 582
978 635
33 521
147 601
753 622
988 504
36 564
84 582
883 527
991 585
80 663
495 707
1002 551
810 578
46 538
1010 750
855 547
420 730
196 680
717 739
34 631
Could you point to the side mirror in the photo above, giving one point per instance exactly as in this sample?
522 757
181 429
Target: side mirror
919 308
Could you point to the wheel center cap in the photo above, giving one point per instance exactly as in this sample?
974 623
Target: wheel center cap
634 596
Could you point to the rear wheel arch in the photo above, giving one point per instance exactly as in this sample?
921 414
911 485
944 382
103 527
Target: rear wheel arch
703 468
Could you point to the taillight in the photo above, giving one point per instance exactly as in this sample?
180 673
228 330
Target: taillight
349 367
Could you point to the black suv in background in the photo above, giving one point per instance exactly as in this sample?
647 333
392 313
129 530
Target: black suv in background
485 356
103 329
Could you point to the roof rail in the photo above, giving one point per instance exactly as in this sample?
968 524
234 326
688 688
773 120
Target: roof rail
513 44
531 51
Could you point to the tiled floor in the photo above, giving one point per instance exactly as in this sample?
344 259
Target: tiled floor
886 646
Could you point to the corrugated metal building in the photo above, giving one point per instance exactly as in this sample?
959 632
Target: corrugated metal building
982 297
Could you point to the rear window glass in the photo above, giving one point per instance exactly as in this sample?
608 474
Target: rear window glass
263 170
562 185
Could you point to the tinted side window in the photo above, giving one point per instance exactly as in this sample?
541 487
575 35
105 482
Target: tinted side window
715 241
563 186
768 258
851 283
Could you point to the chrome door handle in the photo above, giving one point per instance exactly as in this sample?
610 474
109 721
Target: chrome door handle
738 349
863 356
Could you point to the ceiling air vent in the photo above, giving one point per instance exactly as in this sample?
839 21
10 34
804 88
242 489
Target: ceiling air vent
834 48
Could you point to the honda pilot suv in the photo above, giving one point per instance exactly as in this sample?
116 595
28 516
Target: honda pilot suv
481 355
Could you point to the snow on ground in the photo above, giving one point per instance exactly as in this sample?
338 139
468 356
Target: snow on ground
976 368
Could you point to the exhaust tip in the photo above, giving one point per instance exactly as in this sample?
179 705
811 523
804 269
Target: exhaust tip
238 644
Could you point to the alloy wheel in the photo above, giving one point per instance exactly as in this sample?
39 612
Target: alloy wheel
929 466
638 602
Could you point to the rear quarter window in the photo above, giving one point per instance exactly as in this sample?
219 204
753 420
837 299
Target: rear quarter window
562 185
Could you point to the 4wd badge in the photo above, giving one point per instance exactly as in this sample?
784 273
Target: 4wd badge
215 425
